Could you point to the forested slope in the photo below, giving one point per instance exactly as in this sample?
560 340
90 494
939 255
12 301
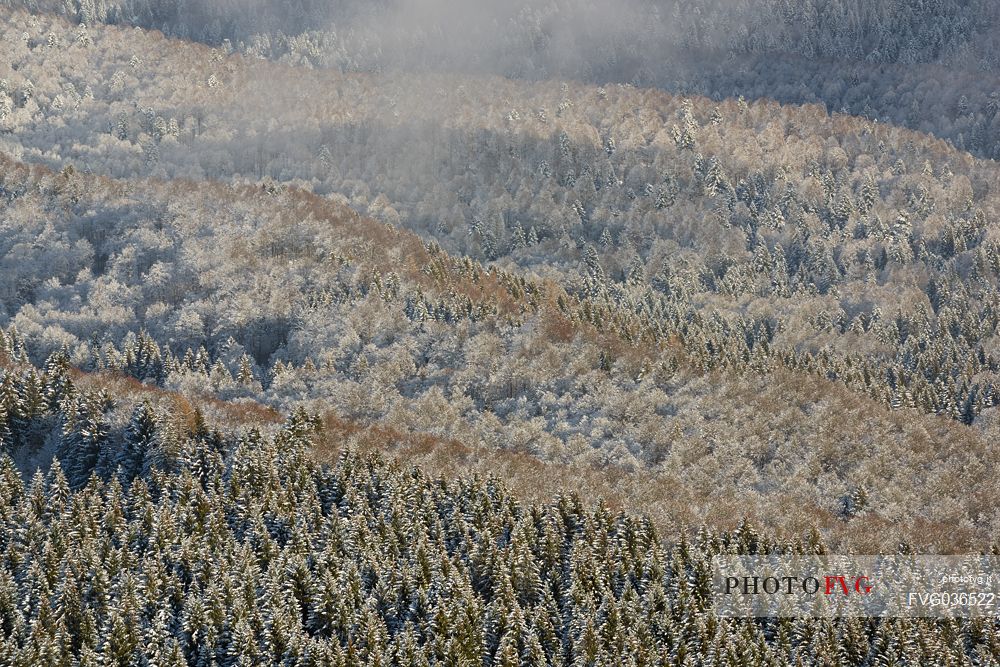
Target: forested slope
604 330
930 66
161 540
760 234
277 295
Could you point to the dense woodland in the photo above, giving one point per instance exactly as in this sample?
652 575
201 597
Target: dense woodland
157 540
856 250
671 273
929 65
149 279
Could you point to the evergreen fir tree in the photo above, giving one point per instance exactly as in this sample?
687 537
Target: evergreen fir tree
84 435
140 438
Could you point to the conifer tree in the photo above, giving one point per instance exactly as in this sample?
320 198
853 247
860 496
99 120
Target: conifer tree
140 438
84 435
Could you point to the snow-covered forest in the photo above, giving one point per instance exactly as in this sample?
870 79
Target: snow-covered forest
677 279
172 543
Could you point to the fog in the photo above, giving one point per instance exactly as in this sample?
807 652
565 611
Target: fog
575 39
640 40
626 40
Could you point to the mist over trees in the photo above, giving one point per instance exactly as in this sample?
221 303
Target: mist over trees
542 36
842 246
435 332
826 247
930 66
